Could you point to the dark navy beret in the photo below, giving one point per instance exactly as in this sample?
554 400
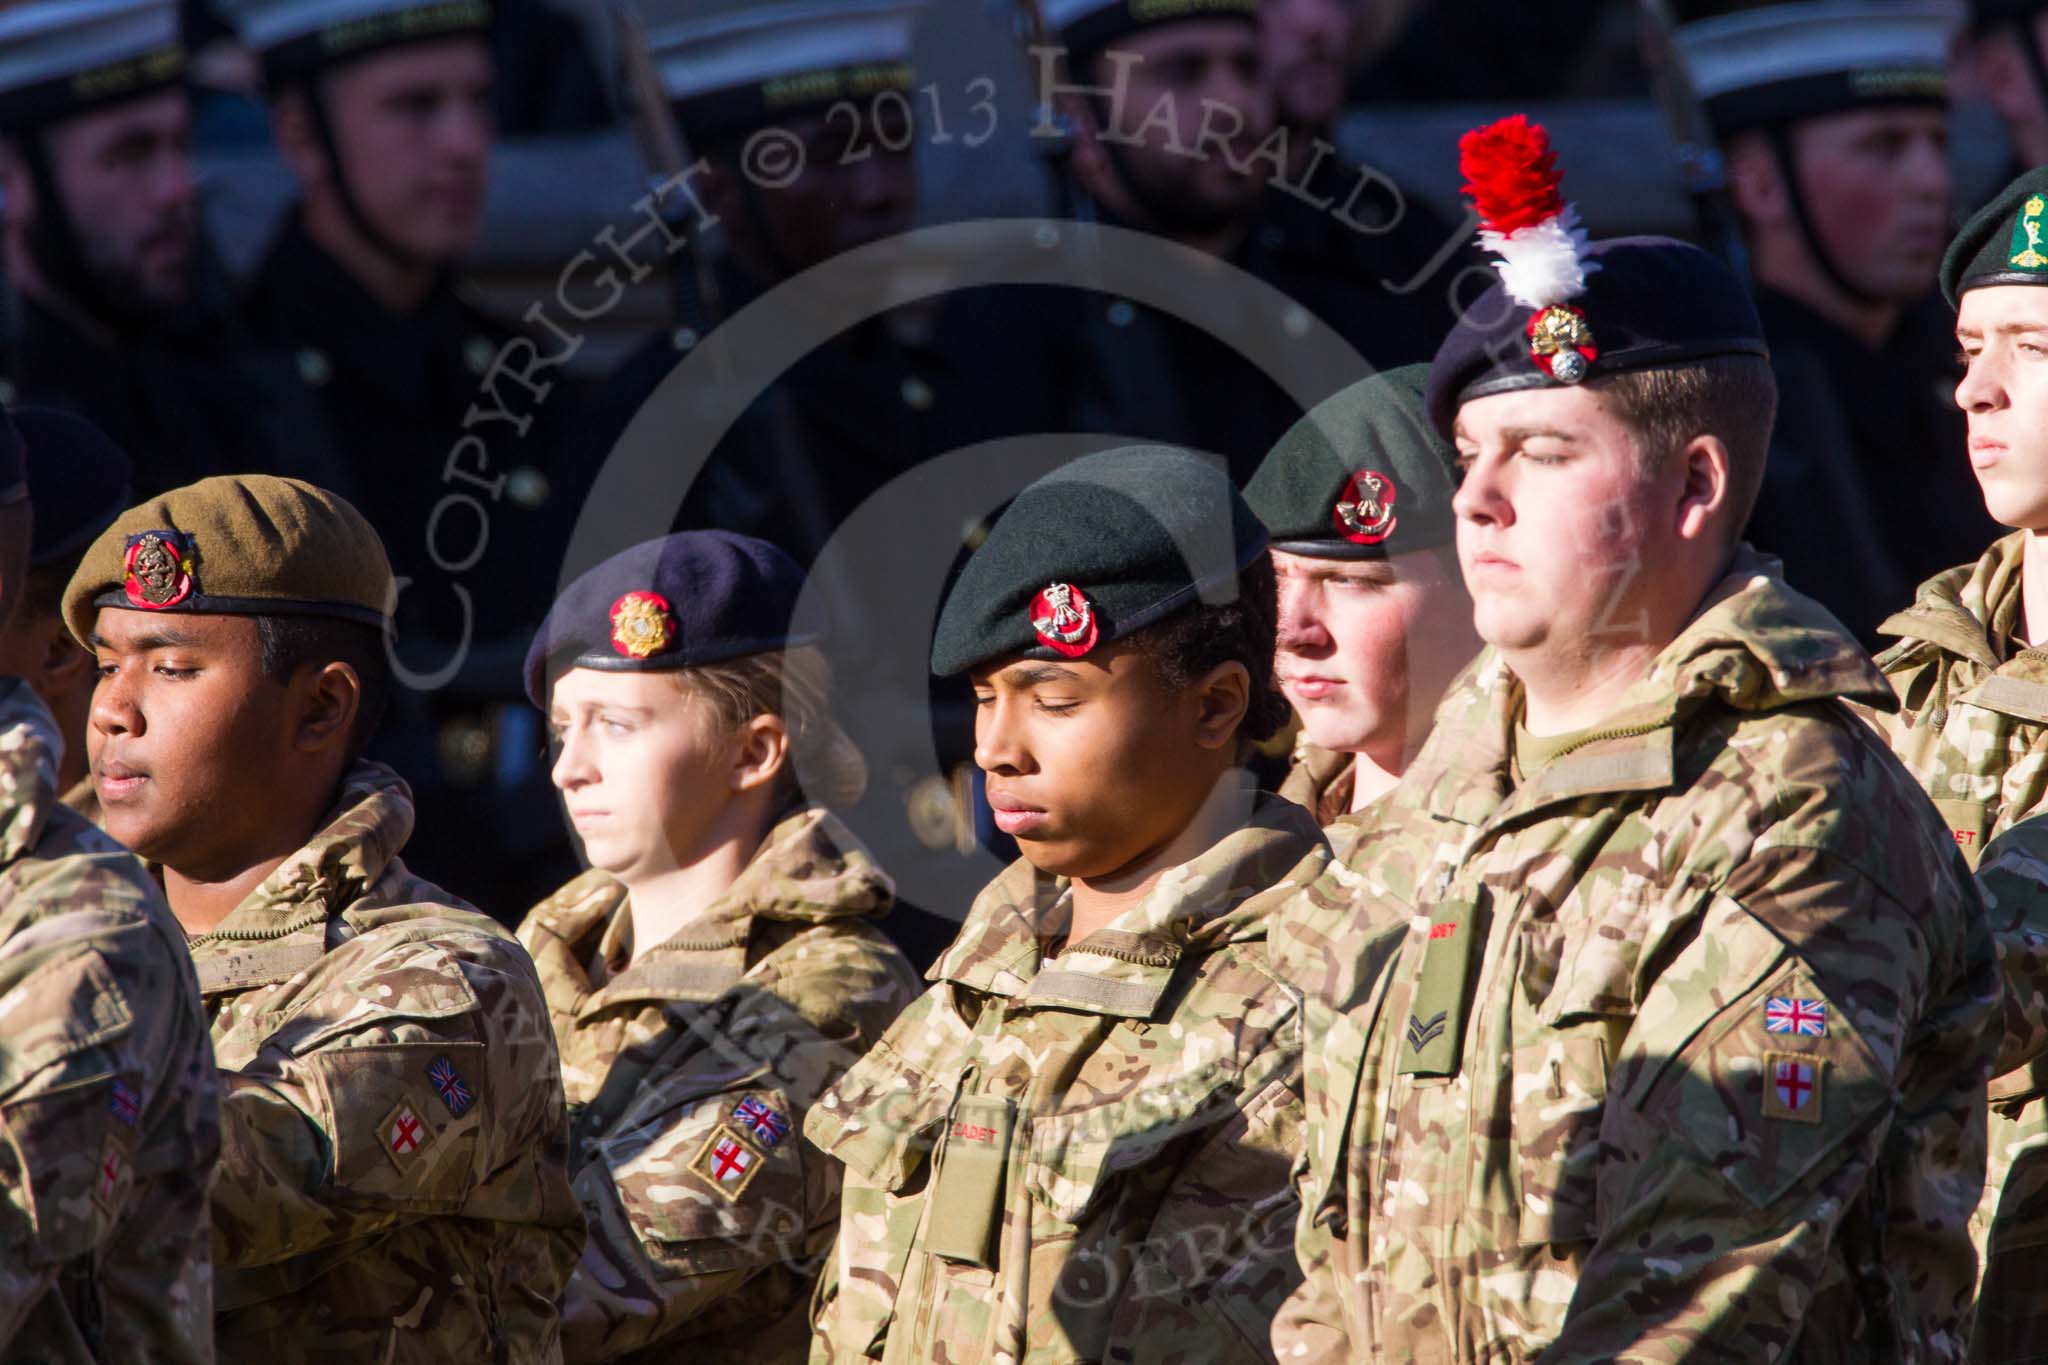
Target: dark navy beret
1653 302
2005 242
695 597
1362 476
78 482
1097 550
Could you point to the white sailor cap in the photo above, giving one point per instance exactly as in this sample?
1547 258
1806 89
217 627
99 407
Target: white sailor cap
1088 26
64 57
745 68
1755 68
295 37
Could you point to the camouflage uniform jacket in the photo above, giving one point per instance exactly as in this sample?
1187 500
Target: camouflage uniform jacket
687 1075
1676 1051
109 1105
393 1183
1083 1158
1973 728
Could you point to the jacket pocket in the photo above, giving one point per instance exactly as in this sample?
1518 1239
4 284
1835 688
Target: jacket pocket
1560 1095
880 1122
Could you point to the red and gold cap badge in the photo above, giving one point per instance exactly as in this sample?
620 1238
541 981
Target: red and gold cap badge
642 625
1064 619
1561 343
158 568
1365 514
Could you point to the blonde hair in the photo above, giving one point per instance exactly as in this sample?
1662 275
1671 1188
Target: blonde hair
824 765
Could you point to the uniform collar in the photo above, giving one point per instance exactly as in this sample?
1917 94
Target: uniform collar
1967 620
1754 646
358 842
1123 970
809 870
1971 612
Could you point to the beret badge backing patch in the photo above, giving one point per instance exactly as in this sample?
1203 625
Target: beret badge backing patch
2026 252
1365 515
1064 619
158 569
642 625
1561 343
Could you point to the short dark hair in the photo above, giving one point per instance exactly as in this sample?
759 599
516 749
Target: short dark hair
1734 397
1187 644
290 643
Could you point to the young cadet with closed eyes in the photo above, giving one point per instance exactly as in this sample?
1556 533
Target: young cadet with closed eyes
1374 617
1648 1019
719 965
1075 1145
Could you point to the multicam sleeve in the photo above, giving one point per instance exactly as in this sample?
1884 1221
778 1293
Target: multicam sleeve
386 1099
109 1118
1812 1029
707 1215
2013 876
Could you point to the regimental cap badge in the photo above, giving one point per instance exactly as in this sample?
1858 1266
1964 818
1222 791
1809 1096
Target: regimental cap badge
158 569
2026 251
1064 619
1364 514
643 625
1512 179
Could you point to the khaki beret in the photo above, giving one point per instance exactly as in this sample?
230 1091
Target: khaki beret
239 545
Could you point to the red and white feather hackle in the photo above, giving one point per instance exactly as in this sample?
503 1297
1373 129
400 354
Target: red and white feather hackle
1511 176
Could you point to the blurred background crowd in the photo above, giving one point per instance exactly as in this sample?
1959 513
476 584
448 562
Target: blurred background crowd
445 258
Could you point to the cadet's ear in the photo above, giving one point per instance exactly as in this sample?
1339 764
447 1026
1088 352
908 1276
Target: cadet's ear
1703 492
760 751
291 124
1755 180
330 698
1223 696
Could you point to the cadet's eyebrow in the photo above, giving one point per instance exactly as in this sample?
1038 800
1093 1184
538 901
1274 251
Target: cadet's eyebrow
1031 675
162 639
1515 436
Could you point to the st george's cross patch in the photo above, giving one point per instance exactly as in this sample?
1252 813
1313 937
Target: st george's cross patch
402 1133
107 1181
1792 1086
450 1086
728 1162
1793 1014
764 1123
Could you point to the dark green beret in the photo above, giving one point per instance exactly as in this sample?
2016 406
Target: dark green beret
1363 476
1097 550
240 545
2005 243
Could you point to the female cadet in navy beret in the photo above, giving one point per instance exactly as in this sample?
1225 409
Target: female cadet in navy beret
718 966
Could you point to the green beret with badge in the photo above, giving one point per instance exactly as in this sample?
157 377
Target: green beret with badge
237 545
1363 476
1095 551
2006 242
